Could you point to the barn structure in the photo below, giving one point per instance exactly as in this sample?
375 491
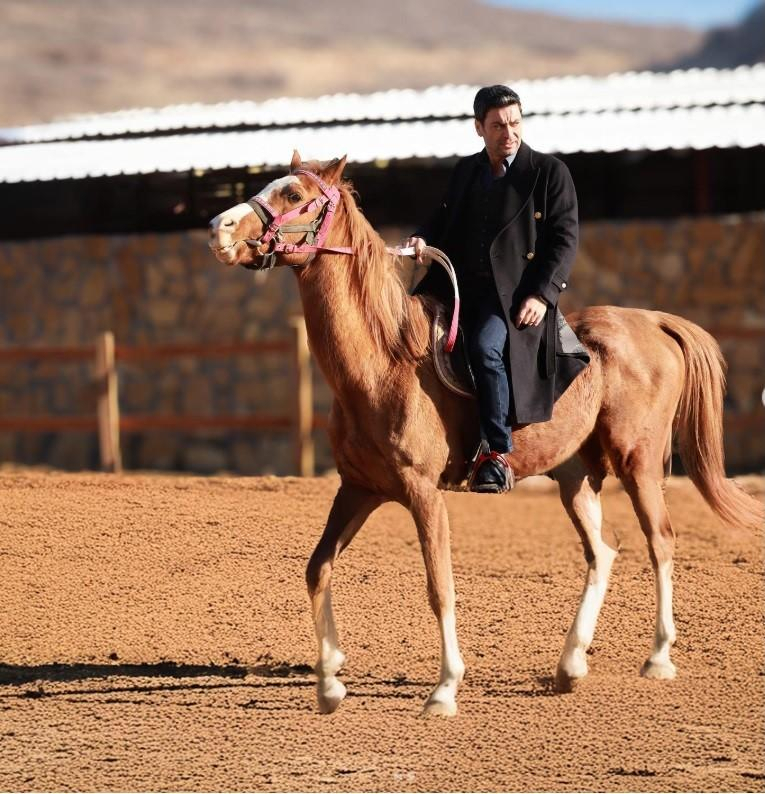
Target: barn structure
103 219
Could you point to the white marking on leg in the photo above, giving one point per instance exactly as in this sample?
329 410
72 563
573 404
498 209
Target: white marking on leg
443 699
573 660
659 665
665 622
579 638
330 691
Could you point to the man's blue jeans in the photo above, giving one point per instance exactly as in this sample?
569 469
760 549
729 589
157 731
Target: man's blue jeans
487 342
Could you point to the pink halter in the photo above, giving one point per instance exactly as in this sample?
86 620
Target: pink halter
316 233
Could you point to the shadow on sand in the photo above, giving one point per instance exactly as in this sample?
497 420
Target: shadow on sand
15 675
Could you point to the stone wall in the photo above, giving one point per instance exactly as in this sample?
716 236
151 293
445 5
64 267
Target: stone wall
153 289
148 289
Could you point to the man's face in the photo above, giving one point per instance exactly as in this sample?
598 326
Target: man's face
501 131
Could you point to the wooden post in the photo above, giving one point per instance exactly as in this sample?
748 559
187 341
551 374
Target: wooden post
303 400
108 404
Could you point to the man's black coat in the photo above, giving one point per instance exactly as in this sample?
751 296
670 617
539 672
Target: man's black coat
532 254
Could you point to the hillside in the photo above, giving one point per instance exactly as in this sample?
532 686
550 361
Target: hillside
86 56
731 46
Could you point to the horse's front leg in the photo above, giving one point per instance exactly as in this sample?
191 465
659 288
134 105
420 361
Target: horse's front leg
432 520
350 509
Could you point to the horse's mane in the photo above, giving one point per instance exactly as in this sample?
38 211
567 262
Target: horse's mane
398 322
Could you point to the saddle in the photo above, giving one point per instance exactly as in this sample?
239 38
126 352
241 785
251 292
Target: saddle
450 355
453 369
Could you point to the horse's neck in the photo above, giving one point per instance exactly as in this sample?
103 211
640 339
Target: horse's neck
340 336
341 331
362 325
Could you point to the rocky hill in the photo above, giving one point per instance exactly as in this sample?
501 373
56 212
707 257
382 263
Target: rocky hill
99 55
727 47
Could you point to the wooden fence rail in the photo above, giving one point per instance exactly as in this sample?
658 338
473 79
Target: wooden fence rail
300 420
108 422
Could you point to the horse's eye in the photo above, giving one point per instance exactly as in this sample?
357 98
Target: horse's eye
294 197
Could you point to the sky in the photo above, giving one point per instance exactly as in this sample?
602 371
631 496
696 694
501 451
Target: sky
692 13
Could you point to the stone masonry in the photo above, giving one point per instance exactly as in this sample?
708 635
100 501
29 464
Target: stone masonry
154 289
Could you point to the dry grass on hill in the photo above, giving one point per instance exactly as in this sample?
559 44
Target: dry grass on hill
82 56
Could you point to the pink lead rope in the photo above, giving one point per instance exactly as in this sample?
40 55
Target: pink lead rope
439 256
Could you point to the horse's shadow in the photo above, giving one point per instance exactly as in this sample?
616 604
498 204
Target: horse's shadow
277 673
102 679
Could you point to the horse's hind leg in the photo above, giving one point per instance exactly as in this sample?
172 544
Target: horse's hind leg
647 494
350 509
432 520
580 493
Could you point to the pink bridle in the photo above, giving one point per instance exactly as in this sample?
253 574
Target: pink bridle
316 233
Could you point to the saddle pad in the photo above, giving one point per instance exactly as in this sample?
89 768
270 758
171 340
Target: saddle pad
452 368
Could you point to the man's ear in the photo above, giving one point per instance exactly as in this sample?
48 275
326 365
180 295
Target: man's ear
296 161
478 128
332 172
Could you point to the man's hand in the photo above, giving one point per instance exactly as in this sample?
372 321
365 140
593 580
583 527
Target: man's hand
418 244
532 310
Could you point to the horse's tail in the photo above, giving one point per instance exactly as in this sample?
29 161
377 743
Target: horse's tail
700 426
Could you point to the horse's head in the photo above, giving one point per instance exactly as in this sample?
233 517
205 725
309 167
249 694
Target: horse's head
285 222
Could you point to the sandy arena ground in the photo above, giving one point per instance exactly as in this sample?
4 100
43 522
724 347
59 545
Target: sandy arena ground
156 635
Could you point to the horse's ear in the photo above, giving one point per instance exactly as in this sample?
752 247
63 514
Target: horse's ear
334 169
296 161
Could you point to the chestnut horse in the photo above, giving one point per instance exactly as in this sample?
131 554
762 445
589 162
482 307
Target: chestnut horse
399 435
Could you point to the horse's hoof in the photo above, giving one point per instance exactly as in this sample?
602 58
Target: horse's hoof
660 671
330 694
569 674
565 682
439 708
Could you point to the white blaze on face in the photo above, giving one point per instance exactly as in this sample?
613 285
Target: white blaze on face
238 212
277 185
227 222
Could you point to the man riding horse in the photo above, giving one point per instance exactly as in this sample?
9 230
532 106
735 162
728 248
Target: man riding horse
509 223
396 430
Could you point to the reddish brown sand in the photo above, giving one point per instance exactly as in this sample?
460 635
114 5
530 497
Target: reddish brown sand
131 606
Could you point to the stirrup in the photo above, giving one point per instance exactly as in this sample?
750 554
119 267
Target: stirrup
484 453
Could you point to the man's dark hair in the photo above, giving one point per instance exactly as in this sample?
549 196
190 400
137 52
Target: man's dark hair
494 96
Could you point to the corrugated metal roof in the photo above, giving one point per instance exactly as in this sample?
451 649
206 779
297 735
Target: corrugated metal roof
580 94
698 109
653 130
